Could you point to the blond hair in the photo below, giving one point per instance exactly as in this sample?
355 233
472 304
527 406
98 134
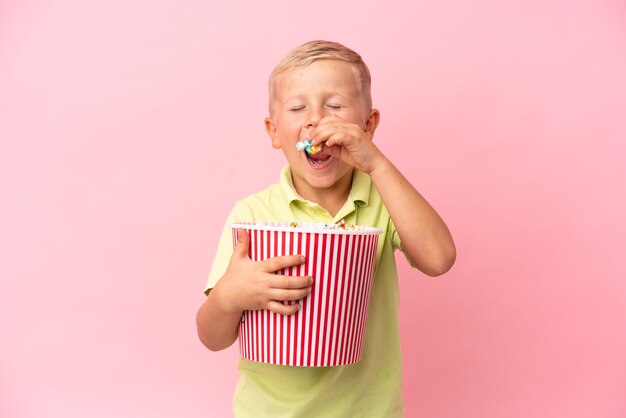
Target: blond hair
312 51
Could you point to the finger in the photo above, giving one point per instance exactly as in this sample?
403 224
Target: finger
345 137
290 282
276 263
322 132
283 309
243 243
333 120
338 135
330 119
335 138
289 294
333 151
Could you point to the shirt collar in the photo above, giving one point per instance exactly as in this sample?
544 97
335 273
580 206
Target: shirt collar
359 192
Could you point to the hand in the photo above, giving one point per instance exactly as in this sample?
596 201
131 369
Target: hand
348 141
252 285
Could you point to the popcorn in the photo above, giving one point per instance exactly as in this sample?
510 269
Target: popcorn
343 225
331 227
308 146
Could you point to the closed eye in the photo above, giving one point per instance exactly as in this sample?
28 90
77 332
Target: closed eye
334 106
296 108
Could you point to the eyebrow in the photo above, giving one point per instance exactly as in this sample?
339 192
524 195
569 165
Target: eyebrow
299 96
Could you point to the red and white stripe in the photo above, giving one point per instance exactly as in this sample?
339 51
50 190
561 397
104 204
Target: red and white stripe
329 328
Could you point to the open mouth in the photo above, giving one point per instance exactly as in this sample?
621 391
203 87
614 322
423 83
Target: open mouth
319 160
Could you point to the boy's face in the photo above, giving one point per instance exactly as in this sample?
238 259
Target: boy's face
302 97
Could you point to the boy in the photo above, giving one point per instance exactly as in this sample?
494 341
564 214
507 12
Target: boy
321 91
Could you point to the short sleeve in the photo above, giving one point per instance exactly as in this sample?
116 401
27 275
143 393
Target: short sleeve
395 238
225 245
397 242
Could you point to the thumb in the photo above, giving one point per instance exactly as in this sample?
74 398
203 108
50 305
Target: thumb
243 242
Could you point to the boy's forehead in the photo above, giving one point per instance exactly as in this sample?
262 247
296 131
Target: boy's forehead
332 74
327 67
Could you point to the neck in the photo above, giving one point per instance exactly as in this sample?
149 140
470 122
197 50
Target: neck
332 198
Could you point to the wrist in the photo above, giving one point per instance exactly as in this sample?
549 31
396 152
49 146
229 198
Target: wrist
371 161
380 168
221 299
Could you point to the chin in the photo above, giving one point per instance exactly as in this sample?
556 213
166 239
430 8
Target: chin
327 181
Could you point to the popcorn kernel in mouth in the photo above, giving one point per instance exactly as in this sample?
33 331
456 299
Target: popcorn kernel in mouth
308 147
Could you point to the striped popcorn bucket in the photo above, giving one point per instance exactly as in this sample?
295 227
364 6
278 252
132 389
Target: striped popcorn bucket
329 328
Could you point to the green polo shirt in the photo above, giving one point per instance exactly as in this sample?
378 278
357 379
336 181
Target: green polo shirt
369 388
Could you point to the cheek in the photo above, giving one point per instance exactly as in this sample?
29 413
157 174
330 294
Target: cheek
290 127
355 117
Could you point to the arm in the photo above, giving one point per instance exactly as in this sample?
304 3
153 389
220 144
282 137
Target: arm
217 327
426 239
248 285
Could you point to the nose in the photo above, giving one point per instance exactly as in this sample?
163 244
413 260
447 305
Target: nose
313 117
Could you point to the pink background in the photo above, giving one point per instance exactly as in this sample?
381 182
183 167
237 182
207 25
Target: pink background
129 128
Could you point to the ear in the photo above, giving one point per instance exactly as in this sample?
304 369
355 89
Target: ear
270 128
372 121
